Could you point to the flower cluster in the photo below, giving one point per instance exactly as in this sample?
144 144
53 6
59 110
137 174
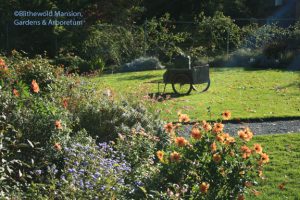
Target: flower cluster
212 163
95 169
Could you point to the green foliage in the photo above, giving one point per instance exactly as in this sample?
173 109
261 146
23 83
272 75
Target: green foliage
208 165
112 44
213 33
161 39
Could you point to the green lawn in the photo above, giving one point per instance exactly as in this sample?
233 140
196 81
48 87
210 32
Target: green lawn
247 93
284 167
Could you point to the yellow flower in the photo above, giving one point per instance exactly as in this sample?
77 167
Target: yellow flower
226 115
195 133
160 155
204 187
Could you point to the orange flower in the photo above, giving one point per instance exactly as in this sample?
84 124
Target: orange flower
58 124
65 103
16 92
226 115
241 197
2 62
169 127
34 86
217 157
213 147
246 151
248 184
281 186
180 141
258 148
206 126
204 187
220 138
195 133
229 140
57 146
175 157
183 118
160 155
218 127
245 134
264 158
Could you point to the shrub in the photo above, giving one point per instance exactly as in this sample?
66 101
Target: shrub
214 32
209 164
101 114
114 45
141 64
38 69
70 62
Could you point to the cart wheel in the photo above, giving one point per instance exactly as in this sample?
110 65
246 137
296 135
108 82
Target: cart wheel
201 87
182 84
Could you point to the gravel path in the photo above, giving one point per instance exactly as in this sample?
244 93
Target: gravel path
259 128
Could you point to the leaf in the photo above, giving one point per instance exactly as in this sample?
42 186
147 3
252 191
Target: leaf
30 143
20 174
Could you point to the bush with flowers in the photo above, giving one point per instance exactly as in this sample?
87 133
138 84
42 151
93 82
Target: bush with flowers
48 133
207 163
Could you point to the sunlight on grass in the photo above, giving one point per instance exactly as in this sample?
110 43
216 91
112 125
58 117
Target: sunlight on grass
247 93
283 169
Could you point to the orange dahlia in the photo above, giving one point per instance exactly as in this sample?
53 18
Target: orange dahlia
195 133
34 86
204 187
246 151
213 147
175 157
206 126
169 127
2 62
264 158
226 115
57 146
183 118
258 148
245 134
217 157
180 141
218 127
16 92
58 124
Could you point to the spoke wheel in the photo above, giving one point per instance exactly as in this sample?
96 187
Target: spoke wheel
182 84
201 87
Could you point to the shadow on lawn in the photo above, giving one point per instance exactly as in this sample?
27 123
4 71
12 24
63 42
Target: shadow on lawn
160 97
138 77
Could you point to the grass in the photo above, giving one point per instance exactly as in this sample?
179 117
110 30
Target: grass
247 94
284 167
